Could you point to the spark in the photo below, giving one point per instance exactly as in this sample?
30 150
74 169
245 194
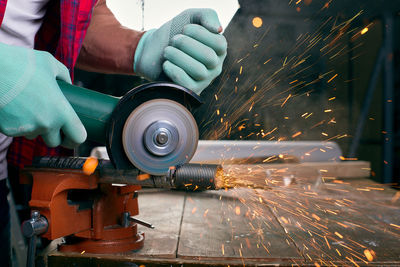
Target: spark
395 225
364 31
205 213
251 107
375 188
296 134
316 217
270 132
309 115
269 159
338 252
341 224
331 79
343 158
339 235
237 210
266 249
284 220
287 98
327 243
369 254
267 61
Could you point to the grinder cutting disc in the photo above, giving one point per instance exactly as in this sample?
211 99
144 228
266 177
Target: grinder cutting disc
158 134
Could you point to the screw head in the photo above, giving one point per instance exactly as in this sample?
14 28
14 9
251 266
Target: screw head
162 138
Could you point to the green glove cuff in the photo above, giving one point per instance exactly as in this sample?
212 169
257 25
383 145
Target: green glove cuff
11 88
139 53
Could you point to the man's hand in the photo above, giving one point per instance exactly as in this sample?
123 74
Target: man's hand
31 103
188 49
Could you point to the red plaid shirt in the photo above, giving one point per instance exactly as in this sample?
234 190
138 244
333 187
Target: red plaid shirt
64 27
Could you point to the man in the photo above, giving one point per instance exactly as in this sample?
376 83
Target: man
188 49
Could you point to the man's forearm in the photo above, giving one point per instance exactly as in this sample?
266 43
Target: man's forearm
108 46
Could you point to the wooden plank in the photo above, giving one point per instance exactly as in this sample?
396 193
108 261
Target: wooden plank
337 226
232 225
164 210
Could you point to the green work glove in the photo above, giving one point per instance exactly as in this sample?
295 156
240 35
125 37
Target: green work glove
31 103
188 49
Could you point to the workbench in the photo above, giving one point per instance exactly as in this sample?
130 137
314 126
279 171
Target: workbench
314 219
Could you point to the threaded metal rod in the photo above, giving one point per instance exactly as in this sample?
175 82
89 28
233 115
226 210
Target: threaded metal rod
186 177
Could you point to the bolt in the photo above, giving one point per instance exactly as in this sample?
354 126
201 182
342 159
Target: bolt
35 214
162 138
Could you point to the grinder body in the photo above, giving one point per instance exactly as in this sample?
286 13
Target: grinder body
150 128
93 108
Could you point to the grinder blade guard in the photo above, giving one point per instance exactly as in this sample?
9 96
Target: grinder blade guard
150 128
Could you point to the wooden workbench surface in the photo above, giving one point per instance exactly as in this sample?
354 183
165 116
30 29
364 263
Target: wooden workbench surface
296 221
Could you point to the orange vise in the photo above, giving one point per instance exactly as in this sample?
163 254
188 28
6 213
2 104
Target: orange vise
92 216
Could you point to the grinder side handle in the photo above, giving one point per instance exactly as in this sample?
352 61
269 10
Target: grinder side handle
93 108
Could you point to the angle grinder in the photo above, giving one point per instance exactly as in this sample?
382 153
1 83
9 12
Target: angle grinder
150 128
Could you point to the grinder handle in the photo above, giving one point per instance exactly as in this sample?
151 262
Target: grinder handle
93 108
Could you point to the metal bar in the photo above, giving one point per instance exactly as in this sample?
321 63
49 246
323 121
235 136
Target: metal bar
231 151
145 224
388 98
187 177
30 262
367 102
